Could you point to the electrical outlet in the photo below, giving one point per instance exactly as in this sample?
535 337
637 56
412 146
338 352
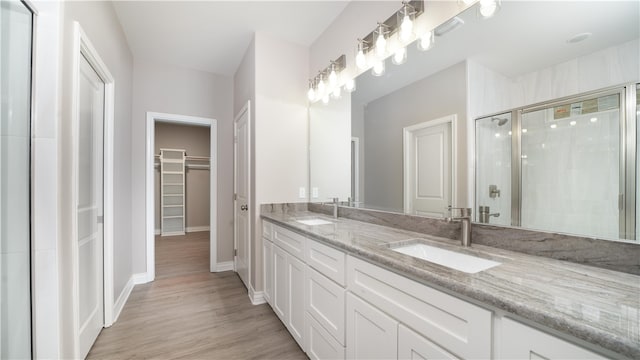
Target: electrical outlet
314 192
302 192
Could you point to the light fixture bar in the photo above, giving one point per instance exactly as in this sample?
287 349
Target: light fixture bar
393 24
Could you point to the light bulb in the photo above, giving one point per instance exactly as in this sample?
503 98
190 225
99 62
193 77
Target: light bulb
336 92
361 60
321 88
406 28
488 8
378 68
311 94
333 78
325 99
400 56
426 41
350 86
381 43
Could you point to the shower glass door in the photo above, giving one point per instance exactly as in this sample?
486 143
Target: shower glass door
15 124
571 167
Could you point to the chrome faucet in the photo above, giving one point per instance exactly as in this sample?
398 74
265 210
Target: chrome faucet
334 201
465 219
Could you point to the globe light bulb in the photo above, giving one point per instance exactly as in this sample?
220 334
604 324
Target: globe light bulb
361 60
381 44
311 94
426 41
337 92
333 78
321 88
488 8
378 68
400 56
350 86
406 28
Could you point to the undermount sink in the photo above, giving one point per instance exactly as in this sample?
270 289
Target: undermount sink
313 222
451 259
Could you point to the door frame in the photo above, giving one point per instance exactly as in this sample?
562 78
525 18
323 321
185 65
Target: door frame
245 109
82 46
408 138
152 118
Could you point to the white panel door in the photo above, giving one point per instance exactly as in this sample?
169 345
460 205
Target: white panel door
89 206
371 334
242 218
428 169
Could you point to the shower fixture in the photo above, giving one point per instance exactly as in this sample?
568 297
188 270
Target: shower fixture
501 121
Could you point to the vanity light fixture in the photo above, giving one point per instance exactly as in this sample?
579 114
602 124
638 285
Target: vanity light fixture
406 17
381 40
400 56
378 68
426 41
318 87
488 8
311 94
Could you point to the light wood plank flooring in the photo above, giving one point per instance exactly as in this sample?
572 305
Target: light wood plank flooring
190 313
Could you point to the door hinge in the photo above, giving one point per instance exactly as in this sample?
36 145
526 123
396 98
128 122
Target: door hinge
235 197
235 252
621 202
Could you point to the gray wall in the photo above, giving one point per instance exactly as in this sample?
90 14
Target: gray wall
173 90
195 140
438 95
102 27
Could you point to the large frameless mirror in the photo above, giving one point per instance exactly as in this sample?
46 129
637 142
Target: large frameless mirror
489 74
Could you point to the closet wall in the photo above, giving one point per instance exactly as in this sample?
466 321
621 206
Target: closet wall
195 140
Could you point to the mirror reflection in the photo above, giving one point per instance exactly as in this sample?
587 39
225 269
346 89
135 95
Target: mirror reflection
423 135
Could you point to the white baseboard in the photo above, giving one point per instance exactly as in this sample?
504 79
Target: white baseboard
224 266
256 297
188 229
197 228
122 299
140 278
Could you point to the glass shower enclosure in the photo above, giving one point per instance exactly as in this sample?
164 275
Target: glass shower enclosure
16 24
565 166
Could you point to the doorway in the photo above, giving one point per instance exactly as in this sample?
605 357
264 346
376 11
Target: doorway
162 119
92 193
429 167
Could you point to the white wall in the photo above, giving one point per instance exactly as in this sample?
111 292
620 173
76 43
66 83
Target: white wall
101 25
173 90
281 129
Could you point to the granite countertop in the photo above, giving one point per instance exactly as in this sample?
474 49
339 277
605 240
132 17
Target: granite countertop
599 306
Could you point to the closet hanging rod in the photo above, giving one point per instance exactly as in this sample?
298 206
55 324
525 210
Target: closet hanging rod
190 157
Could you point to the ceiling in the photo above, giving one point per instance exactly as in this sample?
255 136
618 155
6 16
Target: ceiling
523 36
214 35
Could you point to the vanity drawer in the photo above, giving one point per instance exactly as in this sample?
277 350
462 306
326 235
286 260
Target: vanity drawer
320 345
459 327
288 240
266 230
328 261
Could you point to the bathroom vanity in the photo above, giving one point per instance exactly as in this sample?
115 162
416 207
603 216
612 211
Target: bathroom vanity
342 291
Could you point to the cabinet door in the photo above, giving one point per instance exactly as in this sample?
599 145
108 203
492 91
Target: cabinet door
371 334
325 303
295 274
320 344
267 261
523 342
413 346
280 298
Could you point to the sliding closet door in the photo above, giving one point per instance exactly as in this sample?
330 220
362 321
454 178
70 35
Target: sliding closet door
15 118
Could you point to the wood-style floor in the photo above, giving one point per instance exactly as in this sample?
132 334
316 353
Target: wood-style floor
190 313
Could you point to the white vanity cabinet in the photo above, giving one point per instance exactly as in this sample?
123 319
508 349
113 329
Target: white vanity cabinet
371 334
288 268
519 341
456 326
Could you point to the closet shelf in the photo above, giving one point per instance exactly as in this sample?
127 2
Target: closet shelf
172 224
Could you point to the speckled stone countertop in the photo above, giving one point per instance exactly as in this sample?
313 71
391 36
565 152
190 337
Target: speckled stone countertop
599 306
